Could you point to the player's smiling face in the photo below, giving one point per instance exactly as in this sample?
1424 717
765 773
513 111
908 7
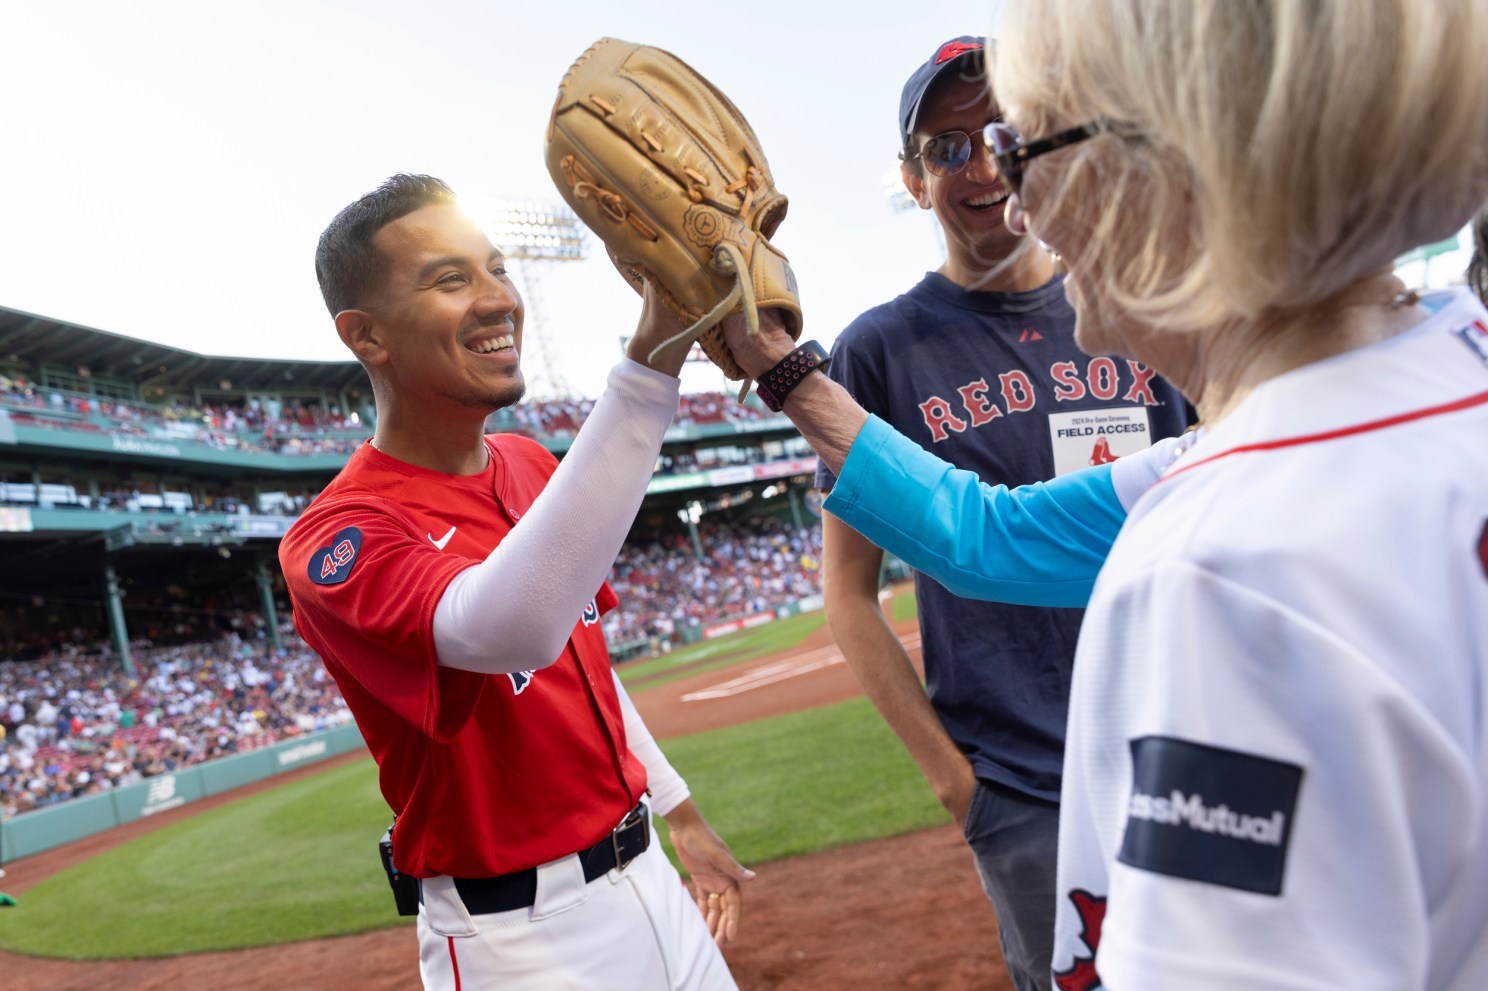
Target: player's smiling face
969 204
450 318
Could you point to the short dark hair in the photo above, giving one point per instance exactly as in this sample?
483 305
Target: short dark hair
347 262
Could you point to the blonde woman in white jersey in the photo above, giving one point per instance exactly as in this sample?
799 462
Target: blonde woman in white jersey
1277 766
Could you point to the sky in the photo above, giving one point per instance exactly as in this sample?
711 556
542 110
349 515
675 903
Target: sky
168 166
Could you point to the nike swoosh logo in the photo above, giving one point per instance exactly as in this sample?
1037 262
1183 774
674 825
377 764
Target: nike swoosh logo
442 540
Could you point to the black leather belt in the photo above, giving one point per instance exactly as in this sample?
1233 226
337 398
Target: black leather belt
518 889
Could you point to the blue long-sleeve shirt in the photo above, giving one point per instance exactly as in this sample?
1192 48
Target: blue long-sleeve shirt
1039 545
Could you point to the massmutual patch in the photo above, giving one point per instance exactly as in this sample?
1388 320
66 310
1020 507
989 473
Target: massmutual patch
1207 814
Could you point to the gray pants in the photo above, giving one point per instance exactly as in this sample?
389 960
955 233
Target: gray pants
1015 838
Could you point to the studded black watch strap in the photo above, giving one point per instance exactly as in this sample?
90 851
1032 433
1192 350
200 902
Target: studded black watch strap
777 383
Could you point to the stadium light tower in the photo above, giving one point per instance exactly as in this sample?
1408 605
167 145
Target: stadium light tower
535 235
899 198
900 201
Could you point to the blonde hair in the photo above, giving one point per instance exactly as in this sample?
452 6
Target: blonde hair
1266 153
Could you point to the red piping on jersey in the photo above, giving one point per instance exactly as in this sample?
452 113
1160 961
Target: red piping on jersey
454 964
1467 402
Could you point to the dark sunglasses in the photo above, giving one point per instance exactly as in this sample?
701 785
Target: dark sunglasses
1011 154
946 154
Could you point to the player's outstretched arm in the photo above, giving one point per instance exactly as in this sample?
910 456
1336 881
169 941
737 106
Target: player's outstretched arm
514 610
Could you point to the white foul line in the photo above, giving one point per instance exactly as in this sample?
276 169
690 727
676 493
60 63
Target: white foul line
771 673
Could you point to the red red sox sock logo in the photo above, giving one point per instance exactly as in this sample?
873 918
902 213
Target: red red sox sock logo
1082 976
954 49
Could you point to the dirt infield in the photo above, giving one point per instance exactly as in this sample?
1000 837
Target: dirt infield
905 912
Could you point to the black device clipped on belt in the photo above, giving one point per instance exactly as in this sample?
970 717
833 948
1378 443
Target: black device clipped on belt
405 888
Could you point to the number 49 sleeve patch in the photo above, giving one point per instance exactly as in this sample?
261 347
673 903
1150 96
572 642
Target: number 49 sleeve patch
331 565
1207 814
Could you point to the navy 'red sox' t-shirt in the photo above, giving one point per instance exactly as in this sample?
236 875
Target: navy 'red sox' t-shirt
994 383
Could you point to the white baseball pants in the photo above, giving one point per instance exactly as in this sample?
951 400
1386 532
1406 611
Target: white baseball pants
631 930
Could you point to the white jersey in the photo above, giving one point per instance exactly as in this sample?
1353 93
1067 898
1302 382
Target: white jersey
1276 774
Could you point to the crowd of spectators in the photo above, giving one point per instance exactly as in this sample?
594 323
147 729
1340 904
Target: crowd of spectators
751 566
169 615
74 724
562 418
296 428
302 428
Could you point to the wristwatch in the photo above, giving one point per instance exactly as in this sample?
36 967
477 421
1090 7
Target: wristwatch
777 383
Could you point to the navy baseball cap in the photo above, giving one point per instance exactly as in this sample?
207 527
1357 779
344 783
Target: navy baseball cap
952 56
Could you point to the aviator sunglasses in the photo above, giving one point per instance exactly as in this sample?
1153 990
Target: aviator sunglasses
945 154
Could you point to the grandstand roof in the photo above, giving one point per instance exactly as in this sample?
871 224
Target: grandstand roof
36 340
47 567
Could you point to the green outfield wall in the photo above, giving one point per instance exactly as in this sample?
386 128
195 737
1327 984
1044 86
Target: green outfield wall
43 829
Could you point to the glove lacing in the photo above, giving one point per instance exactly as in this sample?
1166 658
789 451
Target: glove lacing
727 260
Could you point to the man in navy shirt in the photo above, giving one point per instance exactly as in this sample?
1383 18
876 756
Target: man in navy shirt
978 364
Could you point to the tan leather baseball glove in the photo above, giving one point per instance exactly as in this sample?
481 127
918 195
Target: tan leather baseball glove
670 176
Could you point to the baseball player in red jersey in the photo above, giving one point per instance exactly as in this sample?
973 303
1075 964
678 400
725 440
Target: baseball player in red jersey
453 583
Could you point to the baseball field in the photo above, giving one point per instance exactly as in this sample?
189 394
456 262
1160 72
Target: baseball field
863 881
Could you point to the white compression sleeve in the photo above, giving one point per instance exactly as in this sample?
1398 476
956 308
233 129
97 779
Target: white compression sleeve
1133 474
666 786
516 609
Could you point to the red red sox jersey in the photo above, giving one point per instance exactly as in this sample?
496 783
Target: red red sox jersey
488 773
1276 773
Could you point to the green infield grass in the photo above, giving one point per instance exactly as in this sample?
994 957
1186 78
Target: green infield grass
903 605
300 862
707 655
806 781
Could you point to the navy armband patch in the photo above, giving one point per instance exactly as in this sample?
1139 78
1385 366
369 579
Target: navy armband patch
331 565
1206 814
